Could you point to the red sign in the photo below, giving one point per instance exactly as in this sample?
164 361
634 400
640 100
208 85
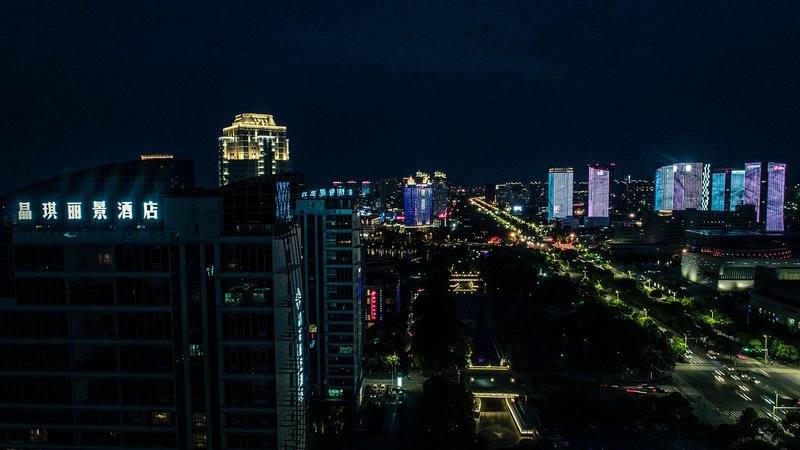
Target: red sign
372 298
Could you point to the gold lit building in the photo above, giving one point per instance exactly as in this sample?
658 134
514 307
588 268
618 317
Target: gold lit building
252 146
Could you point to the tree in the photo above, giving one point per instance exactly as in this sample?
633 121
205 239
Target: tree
791 422
674 408
392 361
782 351
446 416
678 346
750 426
756 345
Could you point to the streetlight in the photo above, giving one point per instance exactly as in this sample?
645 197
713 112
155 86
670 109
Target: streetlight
645 313
766 350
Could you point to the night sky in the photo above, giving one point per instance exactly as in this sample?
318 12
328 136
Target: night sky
486 91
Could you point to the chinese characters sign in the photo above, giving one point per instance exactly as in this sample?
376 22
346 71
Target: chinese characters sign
74 211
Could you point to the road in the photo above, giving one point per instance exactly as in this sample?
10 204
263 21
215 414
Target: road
720 390
717 390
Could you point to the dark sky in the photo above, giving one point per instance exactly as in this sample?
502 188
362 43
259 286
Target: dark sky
487 91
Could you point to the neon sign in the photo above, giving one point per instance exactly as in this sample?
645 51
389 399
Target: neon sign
73 211
372 299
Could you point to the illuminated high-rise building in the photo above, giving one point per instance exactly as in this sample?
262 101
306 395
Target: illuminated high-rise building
418 200
439 186
727 189
559 193
682 186
252 146
764 186
599 194
332 272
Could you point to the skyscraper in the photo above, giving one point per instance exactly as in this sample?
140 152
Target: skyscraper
682 186
559 193
148 315
727 189
332 269
599 194
252 146
418 204
764 186
439 186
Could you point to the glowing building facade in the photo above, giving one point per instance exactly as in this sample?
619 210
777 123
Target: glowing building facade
764 188
252 146
418 201
439 186
682 186
727 189
332 272
559 193
599 194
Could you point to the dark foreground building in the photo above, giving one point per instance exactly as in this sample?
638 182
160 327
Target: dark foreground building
137 312
332 268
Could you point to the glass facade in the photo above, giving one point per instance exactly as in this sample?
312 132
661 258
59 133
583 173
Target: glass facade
599 190
332 268
764 188
752 186
418 199
776 186
659 190
737 189
718 190
559 193
682 186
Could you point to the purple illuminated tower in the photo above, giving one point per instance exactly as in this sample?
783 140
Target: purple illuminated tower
599 188
764 186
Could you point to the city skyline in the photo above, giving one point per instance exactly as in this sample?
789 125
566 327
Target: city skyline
489 214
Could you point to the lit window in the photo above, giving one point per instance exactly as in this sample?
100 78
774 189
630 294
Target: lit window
38 435
195 350
200 440
233 298
161 418
104 258
199 420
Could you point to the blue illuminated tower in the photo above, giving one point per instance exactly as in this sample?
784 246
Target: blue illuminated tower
727 189
418 204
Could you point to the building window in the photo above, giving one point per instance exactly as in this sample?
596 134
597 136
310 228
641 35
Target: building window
38 435
195 350
161 418
200 440
104 258
199 420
